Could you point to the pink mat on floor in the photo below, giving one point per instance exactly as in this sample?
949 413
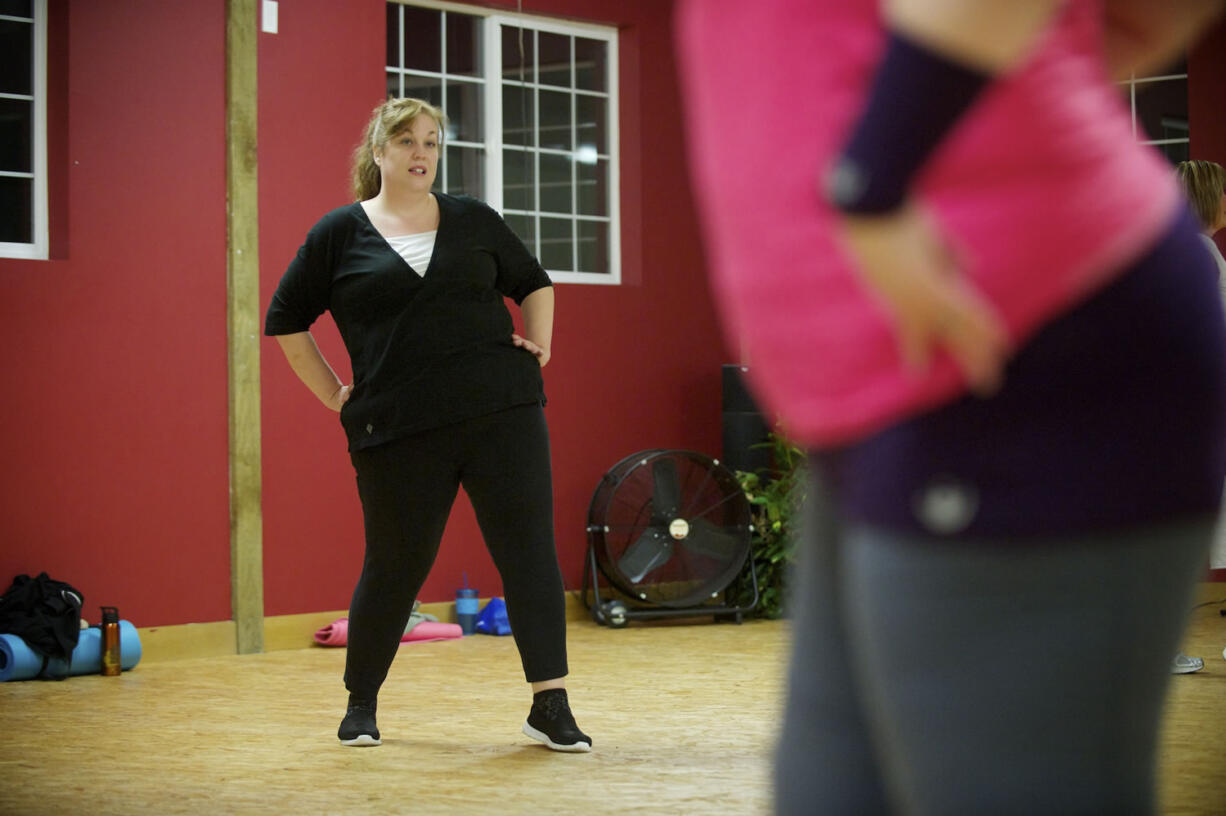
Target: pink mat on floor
337 633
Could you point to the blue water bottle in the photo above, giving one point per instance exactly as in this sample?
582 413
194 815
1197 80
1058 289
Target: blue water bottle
467 607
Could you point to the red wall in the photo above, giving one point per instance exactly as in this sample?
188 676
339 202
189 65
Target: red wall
634 366
114 448
115 453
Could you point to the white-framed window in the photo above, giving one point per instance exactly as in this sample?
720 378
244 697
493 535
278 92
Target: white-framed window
23 129
1159 104
532 103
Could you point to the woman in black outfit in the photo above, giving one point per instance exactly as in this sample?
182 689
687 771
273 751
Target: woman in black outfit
444 394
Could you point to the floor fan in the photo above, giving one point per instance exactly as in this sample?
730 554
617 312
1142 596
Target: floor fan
669 530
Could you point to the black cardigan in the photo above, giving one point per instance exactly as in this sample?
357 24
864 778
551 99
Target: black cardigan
426 351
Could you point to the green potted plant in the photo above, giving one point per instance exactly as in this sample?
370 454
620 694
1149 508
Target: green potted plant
775 496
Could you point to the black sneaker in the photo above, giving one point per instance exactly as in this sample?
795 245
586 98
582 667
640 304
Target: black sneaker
551 722
358 727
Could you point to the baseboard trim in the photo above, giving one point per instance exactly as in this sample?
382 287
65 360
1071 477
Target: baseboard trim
281 632
219 638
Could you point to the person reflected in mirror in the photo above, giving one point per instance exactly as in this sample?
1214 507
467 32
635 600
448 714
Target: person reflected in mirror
444 394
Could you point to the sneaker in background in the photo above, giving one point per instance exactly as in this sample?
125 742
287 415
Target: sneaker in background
1182 664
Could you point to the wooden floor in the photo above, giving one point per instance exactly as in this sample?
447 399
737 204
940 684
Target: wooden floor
683 718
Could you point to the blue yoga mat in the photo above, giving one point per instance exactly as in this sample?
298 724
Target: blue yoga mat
19 662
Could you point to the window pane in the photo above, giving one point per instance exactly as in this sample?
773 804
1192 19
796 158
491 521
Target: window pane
590 64
556 186
463 45
16 57
517 54
555 120
393 85
465 174
16 219
17 8
591 122
522 225
594 247
593 188
1175 153
557 246
517 115
16 128
393 35
518 178
1162 108
427 88
555 59
423 39
464 110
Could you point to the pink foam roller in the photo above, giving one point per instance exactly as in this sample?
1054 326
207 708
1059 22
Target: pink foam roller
334 634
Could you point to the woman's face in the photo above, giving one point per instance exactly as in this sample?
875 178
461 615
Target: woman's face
410 158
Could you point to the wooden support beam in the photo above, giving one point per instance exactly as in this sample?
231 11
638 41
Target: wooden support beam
243 328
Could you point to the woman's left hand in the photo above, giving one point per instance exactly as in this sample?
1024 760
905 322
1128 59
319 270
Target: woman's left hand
905 261
541 354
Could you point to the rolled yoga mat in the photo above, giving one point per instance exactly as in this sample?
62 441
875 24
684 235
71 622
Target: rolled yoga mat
337 633
19 662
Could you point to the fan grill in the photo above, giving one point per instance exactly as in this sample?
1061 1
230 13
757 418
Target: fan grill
670 527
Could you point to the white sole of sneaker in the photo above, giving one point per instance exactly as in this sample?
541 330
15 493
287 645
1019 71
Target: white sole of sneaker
1193 664
362 740
541 736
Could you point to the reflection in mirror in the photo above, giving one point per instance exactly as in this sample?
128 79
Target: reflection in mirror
518 54
554 61
464 110
555 120
590 66
593 187
523 226
423 39
463 45
557 189
594 247
591 116
518 178
465 172
518 115
557 244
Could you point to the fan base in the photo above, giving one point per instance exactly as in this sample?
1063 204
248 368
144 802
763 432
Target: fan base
617 614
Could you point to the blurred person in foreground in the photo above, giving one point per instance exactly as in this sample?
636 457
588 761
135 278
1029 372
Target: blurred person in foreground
987 311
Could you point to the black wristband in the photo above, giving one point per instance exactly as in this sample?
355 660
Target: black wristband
916 97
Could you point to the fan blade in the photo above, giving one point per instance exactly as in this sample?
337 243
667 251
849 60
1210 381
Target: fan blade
652 549
712 541
665 490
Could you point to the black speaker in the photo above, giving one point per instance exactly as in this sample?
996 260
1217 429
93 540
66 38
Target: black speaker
743 424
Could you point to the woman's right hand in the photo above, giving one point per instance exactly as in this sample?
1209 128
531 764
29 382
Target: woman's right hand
339 397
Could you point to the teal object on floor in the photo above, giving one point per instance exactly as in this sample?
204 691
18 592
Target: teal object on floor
19 662
493 619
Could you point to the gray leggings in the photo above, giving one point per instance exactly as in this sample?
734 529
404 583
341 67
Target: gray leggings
986 677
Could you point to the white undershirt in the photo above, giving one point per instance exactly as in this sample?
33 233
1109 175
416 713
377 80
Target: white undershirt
416 249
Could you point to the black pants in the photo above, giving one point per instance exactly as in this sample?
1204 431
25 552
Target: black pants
407 487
